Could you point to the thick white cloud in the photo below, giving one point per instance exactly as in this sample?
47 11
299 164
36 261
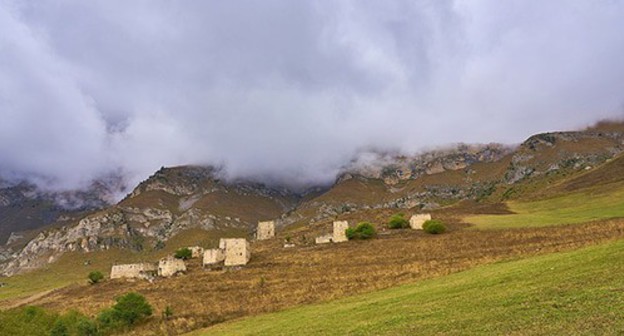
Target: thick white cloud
290 90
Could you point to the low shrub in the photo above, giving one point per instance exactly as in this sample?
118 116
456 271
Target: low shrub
129 309
434 226
398 221
364 230
183 253
95 277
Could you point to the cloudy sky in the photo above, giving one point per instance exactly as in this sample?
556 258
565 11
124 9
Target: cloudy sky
291 89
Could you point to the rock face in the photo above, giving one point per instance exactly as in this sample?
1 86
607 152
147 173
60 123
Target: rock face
24 206
393 169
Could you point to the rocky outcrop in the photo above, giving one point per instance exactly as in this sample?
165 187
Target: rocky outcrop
395 168
97 232
549 153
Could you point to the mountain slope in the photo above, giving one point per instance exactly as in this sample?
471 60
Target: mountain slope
177 199
560 294
168 203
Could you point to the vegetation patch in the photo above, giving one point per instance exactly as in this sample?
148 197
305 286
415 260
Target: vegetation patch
434 226
363 230
580 207
129 310
95 277
183 253
398 221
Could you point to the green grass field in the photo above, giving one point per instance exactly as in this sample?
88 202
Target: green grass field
580 207
573 293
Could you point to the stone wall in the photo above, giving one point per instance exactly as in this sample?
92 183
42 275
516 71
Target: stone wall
170 266
266 230
416 221
138 271
197 252
213 257
237 251
324 239
339 234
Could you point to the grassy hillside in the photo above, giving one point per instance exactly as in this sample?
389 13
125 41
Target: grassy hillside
572 293
594 195
569 209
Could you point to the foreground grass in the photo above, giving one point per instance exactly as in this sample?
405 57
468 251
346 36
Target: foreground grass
573 208
573 293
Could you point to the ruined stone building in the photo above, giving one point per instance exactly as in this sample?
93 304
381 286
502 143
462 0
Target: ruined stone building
338 235
325 239
213 257
265 230
237 251
169 266
196 251
417 221
135 271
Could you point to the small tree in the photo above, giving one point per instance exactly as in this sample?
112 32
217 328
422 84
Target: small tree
95 277
363 230
434 226
398 221
131 308
167 313
183 253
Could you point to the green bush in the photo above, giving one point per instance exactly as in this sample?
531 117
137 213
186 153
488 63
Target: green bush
434 226
363 230
131 308
108 321
183 253
398 221
95 277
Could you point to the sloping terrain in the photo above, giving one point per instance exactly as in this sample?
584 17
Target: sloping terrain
277 278
170 202
591 195
572 293
551 179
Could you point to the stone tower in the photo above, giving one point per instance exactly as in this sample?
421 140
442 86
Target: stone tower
266 230
417 221
237 251
339 234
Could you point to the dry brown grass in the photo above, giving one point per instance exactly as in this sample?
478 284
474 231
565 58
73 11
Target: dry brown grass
308 274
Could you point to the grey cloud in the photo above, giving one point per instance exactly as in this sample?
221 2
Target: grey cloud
290 90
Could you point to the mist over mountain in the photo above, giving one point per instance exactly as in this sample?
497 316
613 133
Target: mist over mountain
290 91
